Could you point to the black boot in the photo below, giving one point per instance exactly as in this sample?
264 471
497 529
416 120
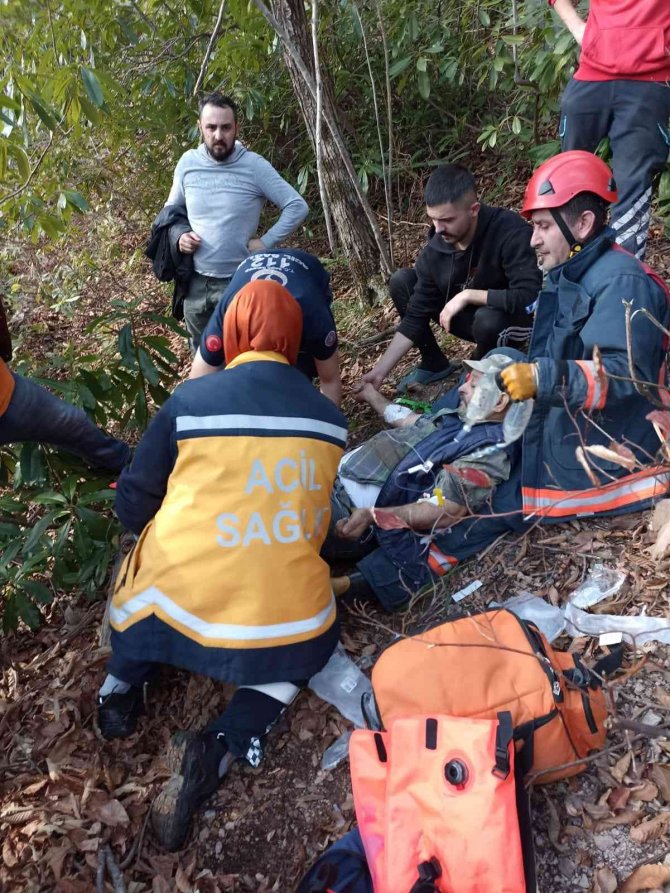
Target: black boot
118 713
195 780
352 588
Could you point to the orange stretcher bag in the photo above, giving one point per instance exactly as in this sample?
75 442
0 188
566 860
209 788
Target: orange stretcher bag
480 665
436 804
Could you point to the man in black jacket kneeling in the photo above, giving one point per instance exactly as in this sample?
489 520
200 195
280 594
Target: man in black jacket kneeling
476 276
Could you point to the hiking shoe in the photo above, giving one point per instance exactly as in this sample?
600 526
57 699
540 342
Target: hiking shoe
423 377
196 779
118 713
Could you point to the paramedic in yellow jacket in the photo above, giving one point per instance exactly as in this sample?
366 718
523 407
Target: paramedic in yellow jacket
229 493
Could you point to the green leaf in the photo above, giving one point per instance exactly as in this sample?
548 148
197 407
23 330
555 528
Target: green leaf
10 616
21 159
38 530
147 366
516 124
484 18
44 113
38 591
424 84
399 66
92 113
421 63
32 469
9 102
92 87
77 200
27 611
125 343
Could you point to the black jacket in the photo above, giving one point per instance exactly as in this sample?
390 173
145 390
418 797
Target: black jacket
499 260
168 262
5 337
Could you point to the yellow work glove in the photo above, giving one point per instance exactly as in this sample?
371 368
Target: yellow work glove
519 380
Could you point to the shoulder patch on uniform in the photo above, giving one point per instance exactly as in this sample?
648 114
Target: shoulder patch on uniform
331 338
213 343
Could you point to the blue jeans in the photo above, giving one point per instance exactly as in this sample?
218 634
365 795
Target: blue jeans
35 414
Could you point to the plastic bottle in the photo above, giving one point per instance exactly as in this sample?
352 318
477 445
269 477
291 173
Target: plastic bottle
602 582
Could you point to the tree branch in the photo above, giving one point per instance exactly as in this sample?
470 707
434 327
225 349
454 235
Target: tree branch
334 131
317 127
210 47
20 189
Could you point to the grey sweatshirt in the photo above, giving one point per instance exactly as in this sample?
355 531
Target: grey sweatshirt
223 201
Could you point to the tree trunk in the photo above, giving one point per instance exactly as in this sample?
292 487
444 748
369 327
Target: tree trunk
353 229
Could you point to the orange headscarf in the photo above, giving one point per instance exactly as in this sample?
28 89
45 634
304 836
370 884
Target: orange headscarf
262 316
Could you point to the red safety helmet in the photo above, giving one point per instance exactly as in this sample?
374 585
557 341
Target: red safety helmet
563 177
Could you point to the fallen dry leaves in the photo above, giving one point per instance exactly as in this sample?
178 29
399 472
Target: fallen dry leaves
647 877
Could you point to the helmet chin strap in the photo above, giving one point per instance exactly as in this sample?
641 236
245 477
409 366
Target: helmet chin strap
575 244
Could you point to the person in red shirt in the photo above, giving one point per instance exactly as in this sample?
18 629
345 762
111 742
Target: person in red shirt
620 90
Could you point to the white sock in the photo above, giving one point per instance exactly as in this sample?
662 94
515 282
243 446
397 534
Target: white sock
112 685
285 692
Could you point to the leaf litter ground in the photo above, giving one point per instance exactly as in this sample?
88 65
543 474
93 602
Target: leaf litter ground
65 792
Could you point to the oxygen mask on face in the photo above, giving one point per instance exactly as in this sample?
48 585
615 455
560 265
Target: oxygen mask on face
485 396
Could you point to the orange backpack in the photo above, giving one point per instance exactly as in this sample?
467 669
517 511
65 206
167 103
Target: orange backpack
438 809
486 663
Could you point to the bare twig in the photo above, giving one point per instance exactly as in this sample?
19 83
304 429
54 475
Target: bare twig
136 849
641 728
375 105
114 871
100 871
20 189
530 779
325 204
210 47
389 122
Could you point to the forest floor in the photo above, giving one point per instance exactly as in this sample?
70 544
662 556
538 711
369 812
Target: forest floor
65 792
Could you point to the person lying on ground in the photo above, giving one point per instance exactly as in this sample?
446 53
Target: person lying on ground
229 492
31 413
398 496
582 351
476 276
305 278
222 187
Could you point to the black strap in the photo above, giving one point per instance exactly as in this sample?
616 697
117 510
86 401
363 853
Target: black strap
565 229
504 734
589 677
607 665
382 756
325 877
431 734
429 872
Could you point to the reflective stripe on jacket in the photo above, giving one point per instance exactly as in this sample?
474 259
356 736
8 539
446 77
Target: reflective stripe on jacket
229 559
582 307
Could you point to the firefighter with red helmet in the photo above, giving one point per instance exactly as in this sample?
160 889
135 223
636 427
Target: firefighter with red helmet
584 346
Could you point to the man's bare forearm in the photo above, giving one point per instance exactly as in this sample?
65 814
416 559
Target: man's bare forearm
427 516
571 19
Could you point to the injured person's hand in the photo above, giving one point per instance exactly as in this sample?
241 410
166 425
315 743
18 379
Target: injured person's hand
355 526
519 380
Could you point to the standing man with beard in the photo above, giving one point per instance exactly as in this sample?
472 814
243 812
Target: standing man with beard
222 187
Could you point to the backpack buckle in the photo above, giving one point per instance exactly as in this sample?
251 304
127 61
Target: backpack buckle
504 735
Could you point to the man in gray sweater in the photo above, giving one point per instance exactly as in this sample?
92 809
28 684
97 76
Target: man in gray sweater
223 187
